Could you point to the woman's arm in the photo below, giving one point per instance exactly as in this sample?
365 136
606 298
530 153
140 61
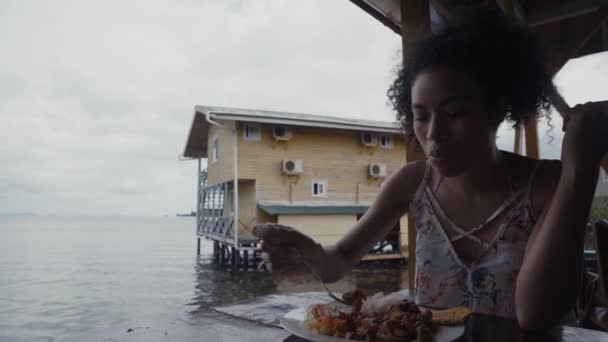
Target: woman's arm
549 280
392 203
332 262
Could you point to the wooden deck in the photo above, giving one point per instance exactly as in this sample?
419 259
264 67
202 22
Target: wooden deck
382 257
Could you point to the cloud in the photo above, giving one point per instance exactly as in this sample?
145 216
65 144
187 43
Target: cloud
96 97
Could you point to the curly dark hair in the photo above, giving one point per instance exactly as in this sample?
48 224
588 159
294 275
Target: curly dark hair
499 55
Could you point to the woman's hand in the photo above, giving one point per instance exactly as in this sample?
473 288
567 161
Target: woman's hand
284 248
586 140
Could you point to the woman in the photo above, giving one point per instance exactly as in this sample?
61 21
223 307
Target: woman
497 232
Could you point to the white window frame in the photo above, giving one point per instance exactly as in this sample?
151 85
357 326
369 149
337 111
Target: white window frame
215 149
387 137
323 184
252 138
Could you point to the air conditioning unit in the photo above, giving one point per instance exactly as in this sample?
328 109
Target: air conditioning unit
292 167
368 139
281 133
377 170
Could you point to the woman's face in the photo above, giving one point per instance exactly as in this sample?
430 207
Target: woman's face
452 120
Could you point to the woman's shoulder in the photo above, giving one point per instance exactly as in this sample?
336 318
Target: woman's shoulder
539 177
528 169
406 181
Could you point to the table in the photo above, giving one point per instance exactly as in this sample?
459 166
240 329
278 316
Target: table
258 321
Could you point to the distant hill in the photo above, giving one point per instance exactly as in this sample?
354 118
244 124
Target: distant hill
192 213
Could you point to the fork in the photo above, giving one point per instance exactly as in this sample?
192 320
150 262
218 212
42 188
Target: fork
312 270
320 279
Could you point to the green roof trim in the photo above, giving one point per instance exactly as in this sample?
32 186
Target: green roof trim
311 210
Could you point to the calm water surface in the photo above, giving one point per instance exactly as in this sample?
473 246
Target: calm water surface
65 276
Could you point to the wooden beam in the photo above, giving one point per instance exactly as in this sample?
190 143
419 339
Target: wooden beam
377 15
563 11
415 26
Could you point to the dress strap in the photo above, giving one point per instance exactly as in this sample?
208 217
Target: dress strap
469 234
425 179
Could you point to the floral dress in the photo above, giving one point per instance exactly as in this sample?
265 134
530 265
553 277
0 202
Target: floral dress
485 286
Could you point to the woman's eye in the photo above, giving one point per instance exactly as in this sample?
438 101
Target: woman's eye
456 114
421 117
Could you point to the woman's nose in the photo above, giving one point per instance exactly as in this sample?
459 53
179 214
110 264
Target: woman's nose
437 130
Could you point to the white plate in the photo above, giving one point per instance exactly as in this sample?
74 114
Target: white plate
292 322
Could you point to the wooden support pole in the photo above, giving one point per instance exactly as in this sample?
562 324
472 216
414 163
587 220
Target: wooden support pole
415 26
532 149
517 140
223 255
216 251
235 259
198 246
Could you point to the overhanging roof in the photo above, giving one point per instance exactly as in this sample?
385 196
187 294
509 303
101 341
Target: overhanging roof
566 27
312 210
196 144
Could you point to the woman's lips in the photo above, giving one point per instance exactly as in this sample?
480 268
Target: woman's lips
438 158
438 155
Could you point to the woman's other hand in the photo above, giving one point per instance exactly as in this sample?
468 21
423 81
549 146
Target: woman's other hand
586 138
283 248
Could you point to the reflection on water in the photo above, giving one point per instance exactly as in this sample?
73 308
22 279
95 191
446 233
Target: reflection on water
216 284
61 277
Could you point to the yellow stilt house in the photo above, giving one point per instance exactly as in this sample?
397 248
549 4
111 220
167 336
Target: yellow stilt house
317 174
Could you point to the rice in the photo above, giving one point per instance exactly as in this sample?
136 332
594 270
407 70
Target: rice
379 303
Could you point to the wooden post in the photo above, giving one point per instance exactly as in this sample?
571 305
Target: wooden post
235 259
223 254
532 149
415 26
517 140
216 250
198 246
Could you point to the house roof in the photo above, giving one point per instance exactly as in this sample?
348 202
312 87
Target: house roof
311 210
196 144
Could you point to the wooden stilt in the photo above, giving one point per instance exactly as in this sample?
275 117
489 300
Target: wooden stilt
216 251
223 254
245 259
198 246
235 259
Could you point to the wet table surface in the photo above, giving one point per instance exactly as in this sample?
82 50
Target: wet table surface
258 320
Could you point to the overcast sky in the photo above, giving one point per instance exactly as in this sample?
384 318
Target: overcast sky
96 97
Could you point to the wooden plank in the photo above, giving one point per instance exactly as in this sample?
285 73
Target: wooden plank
415 26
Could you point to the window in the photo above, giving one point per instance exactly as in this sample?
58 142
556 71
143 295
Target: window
319 188
252 132
386 141
215 152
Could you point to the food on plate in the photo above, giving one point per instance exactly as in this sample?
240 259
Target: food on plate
455 316
404 321
354 298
